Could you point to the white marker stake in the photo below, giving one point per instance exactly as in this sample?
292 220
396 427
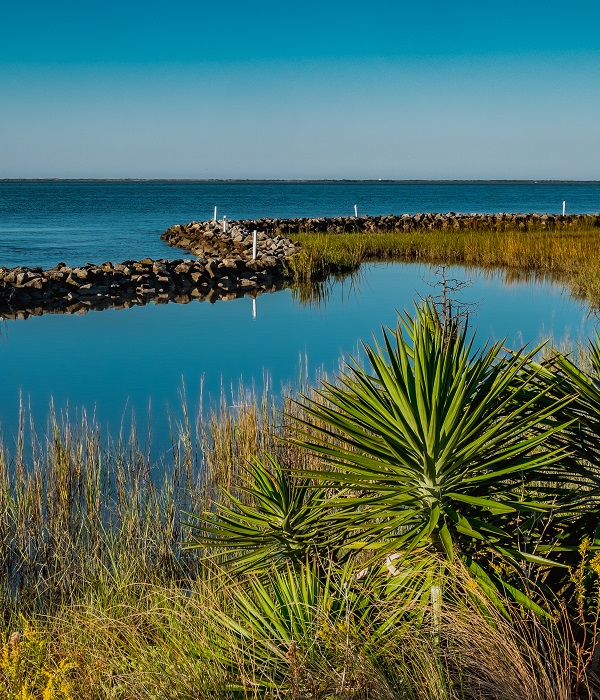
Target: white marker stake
356 210
215 215
253 245
224 224
564 206
253 307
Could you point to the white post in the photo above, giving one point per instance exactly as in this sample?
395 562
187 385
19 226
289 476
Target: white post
215 215
224 224
436 610
356 210
564 206
253 307
253 245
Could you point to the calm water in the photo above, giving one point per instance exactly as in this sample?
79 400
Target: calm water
43 223
116 362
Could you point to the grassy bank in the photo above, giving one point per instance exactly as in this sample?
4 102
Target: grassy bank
569 256
422 529
101 599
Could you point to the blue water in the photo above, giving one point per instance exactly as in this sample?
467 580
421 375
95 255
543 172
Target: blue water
114 362
46 222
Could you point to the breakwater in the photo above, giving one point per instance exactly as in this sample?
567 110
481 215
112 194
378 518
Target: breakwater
198 235
210 238
28 292
224 269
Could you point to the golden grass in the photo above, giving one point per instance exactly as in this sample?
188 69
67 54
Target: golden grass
569 256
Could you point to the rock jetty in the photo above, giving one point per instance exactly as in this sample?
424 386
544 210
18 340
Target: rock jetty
207 238
196 235
33 291
225 267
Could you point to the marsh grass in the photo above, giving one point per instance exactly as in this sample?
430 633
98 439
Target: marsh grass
92 543
149 641
79 510
569 256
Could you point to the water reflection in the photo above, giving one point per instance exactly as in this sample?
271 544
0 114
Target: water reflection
315 294
524 278
116 361
82 306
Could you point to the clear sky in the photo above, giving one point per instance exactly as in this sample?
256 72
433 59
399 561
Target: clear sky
431 89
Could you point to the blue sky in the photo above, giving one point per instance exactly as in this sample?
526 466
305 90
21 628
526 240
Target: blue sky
434 89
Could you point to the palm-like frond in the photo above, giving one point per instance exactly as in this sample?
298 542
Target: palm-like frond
280 630
580 474
279 520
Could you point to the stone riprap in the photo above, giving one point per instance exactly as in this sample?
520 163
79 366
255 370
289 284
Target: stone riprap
33 291
207 238
196 235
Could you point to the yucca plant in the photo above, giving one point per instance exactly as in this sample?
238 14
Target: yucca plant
308 632
278 520
584 435
438 446
576 489
575 529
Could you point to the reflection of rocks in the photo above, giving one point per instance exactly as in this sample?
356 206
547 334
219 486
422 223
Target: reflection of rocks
76 290
224 270
206 236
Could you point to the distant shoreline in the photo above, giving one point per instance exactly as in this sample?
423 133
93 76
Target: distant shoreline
296 181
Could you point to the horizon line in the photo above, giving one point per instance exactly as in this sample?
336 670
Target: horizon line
293 180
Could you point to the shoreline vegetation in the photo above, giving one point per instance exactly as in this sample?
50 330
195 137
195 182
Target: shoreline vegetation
422 529
291 547
562 249
568 256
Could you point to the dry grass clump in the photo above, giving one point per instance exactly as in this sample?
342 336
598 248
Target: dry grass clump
495 655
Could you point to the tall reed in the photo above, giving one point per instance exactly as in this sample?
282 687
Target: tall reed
77 508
